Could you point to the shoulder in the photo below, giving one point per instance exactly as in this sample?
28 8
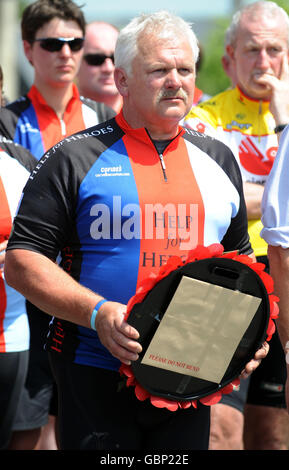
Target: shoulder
103 112
18 106
19 153
217 151
77 153
211 106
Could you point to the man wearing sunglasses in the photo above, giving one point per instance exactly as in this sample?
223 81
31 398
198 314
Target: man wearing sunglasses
53 37
96 73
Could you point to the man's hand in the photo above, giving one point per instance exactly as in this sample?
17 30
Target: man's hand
116 334
254 363
279 103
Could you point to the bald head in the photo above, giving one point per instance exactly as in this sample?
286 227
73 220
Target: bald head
100 35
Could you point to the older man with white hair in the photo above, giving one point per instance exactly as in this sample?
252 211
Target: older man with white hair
95 188
248 118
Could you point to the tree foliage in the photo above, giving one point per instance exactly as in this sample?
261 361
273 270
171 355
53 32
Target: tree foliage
211 77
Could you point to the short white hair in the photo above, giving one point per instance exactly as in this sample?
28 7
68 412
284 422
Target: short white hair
253 10
163 24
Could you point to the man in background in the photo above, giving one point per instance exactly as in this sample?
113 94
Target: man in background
96 74
53 36
248 118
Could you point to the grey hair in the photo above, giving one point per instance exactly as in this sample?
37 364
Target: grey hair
163 24
271 9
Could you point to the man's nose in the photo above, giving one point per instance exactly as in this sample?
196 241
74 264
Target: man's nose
263 59
108 65
65 50
173 79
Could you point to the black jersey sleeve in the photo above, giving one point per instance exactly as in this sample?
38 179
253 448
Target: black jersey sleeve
46 219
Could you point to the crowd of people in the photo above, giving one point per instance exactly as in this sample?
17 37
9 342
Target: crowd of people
112 124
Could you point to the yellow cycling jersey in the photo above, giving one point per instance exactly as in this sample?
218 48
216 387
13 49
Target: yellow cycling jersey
246 126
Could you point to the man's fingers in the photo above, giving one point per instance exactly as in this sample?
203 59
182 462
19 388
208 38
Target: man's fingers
126 342
127 329
263 351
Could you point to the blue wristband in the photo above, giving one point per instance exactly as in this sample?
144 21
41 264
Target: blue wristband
95 312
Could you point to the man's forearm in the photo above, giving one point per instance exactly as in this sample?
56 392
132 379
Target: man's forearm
47 286
253 194
54 291
279 269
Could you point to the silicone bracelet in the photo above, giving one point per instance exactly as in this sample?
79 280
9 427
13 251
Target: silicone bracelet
95 312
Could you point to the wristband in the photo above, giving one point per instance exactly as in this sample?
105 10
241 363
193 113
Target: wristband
95 312
280 128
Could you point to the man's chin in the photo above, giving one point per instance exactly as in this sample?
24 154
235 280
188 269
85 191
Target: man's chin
260 92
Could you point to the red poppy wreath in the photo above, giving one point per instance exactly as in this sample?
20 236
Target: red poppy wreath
173 264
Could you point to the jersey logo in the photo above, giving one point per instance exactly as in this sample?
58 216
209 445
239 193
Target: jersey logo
111 171
253 160
24 128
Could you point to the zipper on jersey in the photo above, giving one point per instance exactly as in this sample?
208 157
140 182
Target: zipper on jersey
259 120
163 166
63 127
161 157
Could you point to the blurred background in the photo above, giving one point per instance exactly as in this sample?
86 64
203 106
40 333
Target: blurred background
210 19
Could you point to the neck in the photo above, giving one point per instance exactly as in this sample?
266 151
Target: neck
165 129
56 97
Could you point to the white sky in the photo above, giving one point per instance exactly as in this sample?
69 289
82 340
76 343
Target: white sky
126 9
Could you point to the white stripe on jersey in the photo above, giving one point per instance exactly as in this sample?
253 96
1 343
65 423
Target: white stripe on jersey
220 197
16 327
89 115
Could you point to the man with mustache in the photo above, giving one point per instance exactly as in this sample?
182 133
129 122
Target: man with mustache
140 158
249 118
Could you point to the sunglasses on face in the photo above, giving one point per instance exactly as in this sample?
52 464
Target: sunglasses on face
97 59
56 44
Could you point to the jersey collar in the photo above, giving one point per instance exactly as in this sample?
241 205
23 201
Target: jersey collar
35 96
141 133
247 100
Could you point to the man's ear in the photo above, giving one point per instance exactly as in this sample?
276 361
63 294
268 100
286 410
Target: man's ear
121 81
27 46
230 51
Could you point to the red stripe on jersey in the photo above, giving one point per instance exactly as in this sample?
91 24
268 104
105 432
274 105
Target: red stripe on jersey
51 127
178 198
5 229
5 215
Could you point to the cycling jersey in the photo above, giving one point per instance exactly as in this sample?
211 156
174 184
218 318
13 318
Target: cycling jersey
247 127
117 211
275 216
37 127
15 166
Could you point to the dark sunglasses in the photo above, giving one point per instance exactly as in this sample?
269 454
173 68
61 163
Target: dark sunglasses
56 44
97 59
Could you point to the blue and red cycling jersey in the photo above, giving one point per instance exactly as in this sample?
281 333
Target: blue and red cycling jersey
117 210
37 127
16 163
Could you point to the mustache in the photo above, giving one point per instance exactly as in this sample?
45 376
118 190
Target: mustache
173 94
